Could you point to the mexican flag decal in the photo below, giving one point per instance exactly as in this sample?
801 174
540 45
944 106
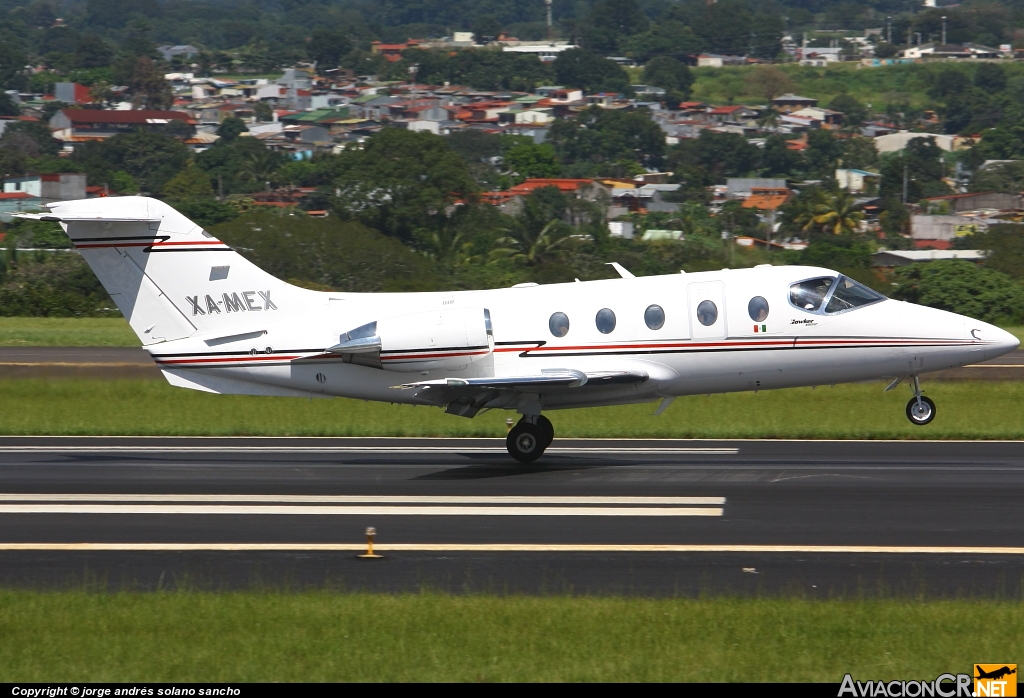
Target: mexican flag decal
760 328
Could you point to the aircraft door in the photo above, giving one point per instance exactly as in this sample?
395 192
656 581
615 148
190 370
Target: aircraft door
707 310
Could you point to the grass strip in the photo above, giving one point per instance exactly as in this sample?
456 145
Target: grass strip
66 332
325 636
80 406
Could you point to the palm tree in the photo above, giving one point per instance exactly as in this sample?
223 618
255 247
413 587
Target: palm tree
519 245
838 214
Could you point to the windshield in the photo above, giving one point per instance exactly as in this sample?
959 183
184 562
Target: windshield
850 294
809 295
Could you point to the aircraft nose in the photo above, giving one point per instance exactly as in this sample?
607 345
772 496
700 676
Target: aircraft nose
999 340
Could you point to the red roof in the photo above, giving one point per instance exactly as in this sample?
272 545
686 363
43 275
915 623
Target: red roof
16 195
134 116
727 110
82 94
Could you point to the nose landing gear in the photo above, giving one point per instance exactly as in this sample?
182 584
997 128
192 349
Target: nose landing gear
528 439
920 409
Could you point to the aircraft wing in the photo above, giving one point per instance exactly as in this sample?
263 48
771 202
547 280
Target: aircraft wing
467 396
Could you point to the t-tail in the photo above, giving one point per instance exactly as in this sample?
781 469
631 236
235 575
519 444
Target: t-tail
169 277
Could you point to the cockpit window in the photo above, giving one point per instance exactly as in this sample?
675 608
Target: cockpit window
850 294
809 295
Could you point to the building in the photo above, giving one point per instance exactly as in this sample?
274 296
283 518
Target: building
743 187
854 181
17 202
939 232
951 51
546 51
714 60
959 203
902 258
892 142
47 188
827 118
71 93
789 103
184 50
767 198
78 125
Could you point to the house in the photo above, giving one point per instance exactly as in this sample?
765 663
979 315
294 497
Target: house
893 142
646 197
743 187
820 56
78 125
393 52
767 198
789 103
184 50
828 118
17 202
47 188
714 60
940 231
951 51
958 203
546 51
735 113
902 258
854 180
71 93
510 200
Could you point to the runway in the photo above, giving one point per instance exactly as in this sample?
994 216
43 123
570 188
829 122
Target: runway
133 362
593 516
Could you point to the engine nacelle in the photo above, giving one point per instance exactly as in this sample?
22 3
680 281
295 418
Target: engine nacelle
421 341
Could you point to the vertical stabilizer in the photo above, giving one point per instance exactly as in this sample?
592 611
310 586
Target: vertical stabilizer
168 276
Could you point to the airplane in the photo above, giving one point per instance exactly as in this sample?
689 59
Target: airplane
215 322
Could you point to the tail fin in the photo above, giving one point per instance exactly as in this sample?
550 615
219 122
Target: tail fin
168 276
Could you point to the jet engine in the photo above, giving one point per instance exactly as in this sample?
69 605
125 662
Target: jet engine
420 341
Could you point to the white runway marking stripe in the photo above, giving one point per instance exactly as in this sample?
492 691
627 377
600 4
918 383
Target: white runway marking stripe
328 510
386 450
356 499
512 548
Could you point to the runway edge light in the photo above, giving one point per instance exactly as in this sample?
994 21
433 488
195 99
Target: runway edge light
369 554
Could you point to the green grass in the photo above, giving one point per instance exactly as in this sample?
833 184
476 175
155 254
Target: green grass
324 636
66 332
967 410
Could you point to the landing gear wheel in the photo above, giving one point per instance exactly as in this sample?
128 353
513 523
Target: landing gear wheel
548 428
920 410
526 442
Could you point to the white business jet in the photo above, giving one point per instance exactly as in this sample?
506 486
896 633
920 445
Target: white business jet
215 322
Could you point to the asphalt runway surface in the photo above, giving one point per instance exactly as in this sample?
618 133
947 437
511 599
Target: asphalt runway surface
816 519
133 362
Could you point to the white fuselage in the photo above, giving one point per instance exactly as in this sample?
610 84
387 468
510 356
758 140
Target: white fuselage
282 351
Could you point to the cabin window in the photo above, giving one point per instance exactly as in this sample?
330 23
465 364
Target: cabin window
757 308
605 321
559 324
849 294
654 316
809 295
707 313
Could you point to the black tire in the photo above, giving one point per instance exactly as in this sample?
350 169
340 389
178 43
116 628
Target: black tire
526 442
548 428
920 415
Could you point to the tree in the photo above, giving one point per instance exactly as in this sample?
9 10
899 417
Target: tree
537 231
604 140
231 128
886 50
327 47
920 163
189 184
769 81
670 74
963 288
262 111
486 28
778 160
860 153
990 77
8 107
93 52
590 72
148 87
854 112
1005 246
822 153
712 157
400 182
670 38
151 159
529 160
1005 177
838 214
611 20
949 82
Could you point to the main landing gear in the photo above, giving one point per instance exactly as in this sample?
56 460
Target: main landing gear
920 409
528 439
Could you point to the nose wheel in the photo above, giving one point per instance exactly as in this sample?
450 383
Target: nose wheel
920 409
528 439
